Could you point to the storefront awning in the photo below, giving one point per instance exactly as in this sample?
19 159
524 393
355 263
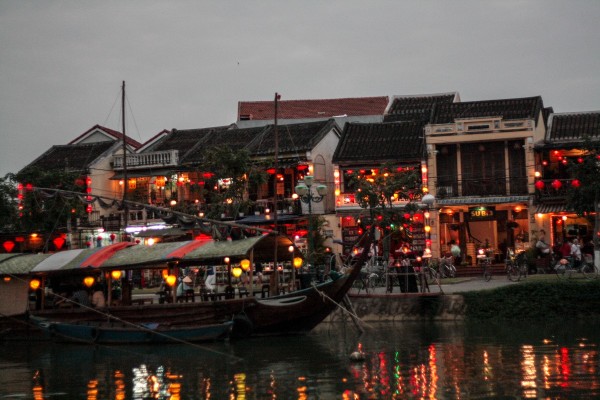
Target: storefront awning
482 200
551 208
268 219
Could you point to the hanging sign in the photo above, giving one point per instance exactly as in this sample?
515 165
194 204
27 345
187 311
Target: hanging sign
482 213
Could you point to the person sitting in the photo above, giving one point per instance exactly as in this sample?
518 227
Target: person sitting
185 286
185 291
98 299
81 297
211 279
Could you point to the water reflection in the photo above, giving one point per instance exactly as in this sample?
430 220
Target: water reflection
400 361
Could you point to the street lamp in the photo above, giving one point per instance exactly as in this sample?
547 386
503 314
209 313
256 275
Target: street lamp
305 194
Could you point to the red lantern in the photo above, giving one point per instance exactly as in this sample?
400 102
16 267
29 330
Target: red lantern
302 167
575 183
406 216
271 171
89 208
556 184
580 160
58 242
539 185
9 245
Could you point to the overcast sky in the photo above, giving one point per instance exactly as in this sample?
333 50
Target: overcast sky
187 63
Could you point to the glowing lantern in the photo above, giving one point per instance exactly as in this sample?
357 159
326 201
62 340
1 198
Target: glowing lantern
556 184
236 272
271 171
539 185
245 264
165 273
7 278
116 275
89 208
9 245
171 280
34 284
427 228
580 160
58 242
406 216
575 183
297 262
88 281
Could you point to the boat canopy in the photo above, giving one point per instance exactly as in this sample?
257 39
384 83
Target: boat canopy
127 255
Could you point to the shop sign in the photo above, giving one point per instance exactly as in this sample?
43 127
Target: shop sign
482 213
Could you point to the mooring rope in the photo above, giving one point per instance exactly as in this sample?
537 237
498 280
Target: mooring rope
355 317
139 327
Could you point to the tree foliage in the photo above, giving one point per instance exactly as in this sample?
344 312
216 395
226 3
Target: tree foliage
378 193
583 194
8 203
49 214
242 175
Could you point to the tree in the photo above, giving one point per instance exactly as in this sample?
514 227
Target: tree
389 184
48 214
583 194
378 192
241 174
8 203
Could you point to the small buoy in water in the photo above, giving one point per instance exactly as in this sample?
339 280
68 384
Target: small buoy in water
358 355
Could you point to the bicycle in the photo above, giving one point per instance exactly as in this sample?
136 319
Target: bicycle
566 265
516 265
486 263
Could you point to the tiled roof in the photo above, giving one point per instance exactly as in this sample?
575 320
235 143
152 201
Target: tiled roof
416 108
380 142
324 108
186 139
117 135
520 108
233 138
71 156
573 126
293 138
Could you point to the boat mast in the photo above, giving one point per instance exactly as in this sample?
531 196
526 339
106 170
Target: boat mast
275 270
125 180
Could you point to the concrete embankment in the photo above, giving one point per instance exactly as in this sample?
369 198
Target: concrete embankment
467 298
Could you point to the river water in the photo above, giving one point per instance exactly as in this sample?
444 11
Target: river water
399 361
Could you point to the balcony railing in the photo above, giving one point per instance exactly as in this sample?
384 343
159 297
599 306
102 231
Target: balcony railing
482 187
166 158
553 189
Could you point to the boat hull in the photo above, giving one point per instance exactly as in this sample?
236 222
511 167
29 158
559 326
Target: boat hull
297 312
110 333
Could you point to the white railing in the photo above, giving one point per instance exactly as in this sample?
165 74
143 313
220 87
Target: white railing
478 126
166 158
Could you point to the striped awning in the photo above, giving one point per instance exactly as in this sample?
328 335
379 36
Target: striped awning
20 263
551 208
80 258
482 200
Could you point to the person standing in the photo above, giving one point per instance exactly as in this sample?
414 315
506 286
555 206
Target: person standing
576 253
455 250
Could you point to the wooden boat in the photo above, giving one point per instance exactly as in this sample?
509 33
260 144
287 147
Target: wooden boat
103 332
295 312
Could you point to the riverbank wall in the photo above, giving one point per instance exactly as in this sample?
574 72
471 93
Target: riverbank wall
556 299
